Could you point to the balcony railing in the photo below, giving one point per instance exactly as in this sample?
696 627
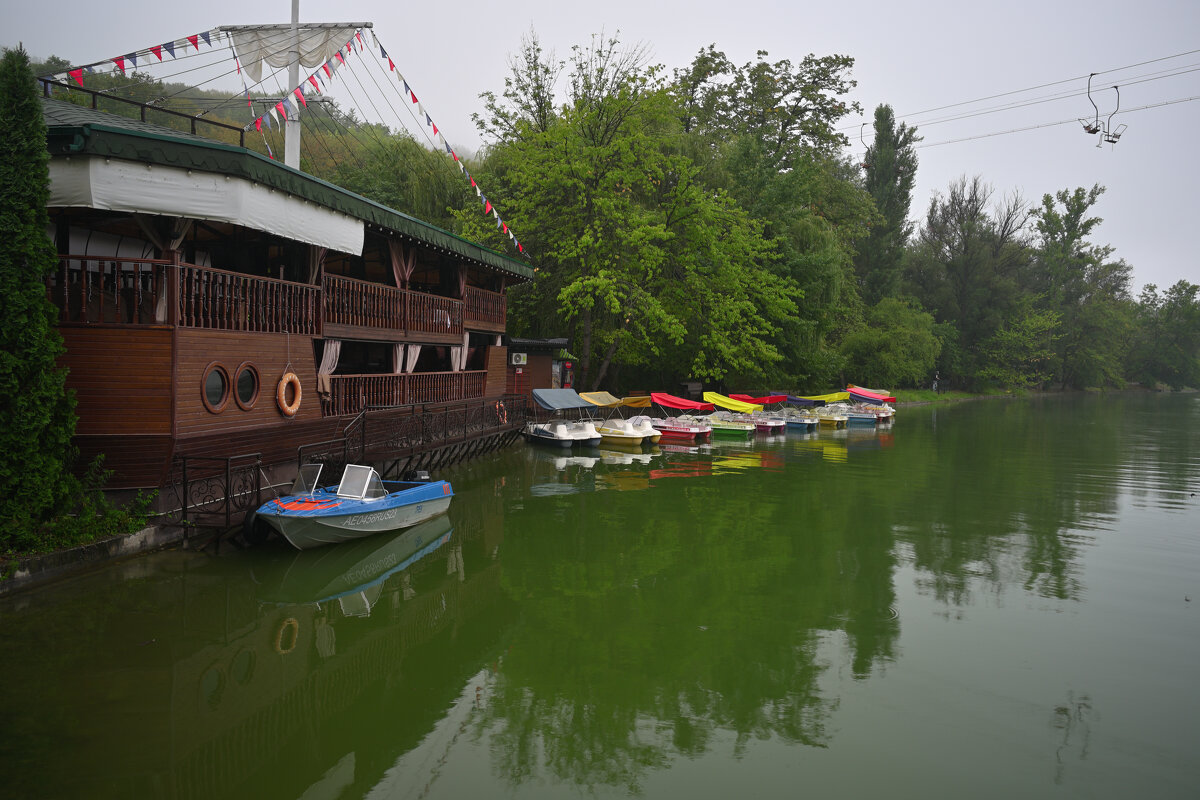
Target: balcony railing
124 291
350 394
111 291
372 305
143 291
229 301
482 306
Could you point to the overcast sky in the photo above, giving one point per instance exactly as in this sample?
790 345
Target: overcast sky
915 56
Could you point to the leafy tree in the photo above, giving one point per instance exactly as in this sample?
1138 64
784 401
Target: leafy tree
890 169
1166 341
1079 281
896 348
37 417
636 258
1020 354
966 268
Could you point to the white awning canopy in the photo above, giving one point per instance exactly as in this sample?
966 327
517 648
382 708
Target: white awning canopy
117 185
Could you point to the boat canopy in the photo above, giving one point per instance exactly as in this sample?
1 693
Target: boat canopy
731 404
835 397
559 399
767 400
606 400
806 402
862 395
678 403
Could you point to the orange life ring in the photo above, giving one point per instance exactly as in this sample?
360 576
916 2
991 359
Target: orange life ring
288 409
291 623
501 412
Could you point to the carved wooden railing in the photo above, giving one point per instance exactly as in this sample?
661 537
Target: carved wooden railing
350 394
229 301
115 291
372 305
143 291
480 305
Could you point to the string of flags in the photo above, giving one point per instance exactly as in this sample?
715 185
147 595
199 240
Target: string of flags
130 60
291 103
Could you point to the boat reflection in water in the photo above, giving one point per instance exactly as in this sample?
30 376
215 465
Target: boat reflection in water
351 573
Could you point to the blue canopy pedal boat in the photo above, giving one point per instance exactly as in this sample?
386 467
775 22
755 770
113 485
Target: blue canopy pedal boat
362 504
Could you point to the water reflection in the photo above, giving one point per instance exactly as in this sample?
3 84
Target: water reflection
590 620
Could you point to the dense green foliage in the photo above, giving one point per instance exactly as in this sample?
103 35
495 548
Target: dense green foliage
44 505
709 224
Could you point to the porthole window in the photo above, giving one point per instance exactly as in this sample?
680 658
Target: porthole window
247 386
215 388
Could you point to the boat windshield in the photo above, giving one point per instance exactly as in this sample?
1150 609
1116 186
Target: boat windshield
306 479
360 483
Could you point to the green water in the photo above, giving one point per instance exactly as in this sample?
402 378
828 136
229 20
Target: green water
984 600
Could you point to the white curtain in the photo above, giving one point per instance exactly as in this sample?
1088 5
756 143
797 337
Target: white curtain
316 46
316 257
499 340
329 360
397 358
458 355
402 263
414 351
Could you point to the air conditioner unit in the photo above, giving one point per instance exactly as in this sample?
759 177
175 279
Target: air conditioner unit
519 358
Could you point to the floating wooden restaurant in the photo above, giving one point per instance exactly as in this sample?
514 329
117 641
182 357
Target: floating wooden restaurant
216 303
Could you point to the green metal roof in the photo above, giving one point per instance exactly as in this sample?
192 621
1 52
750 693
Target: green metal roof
76 129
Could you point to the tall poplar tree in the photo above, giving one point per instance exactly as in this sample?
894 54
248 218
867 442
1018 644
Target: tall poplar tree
37 416
890 168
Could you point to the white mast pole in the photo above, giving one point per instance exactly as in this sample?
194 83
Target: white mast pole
291 130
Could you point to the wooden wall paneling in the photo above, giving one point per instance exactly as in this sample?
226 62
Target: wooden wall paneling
121 378
497 371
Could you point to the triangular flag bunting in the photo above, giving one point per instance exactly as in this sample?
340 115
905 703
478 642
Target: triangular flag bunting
132 58
382 52
505 227
313 80
170 48
391 65
157 50
414 95
120 62
300 94
195 40
207 41
360 39
328 72
339 56
435 130
282 109
274 115
428 120
287 108
455 155
258 124
487 209
471 179
77 74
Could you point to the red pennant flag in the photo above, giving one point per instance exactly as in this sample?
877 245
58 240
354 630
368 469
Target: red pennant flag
77 74
414 95
472 181
339 55
454 154
283 111
300 94
157 50
258 124
519 248
350 46
195 40
313 80
435 129
390 64
120 62
487 208
505 227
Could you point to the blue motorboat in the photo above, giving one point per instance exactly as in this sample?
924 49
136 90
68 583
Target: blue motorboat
362 504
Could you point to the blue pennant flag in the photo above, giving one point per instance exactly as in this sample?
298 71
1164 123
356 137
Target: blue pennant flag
170 48
207 41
